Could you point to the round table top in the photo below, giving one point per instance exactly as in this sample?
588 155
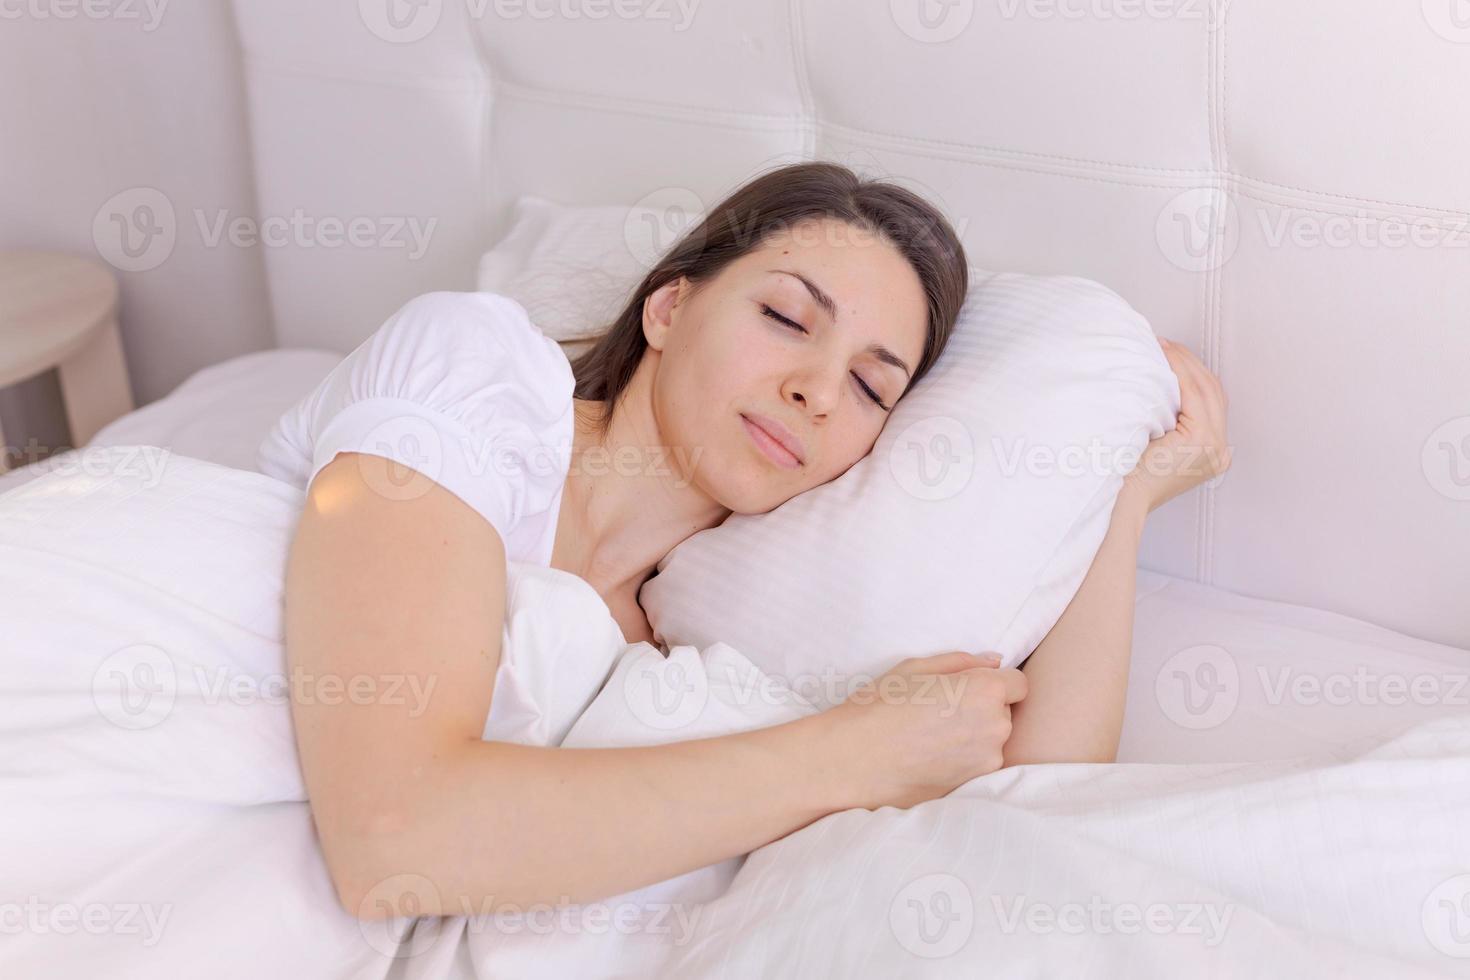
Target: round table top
50 302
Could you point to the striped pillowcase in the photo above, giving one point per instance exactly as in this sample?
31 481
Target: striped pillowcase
973 521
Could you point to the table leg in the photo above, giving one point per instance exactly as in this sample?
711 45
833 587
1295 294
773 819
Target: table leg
94 384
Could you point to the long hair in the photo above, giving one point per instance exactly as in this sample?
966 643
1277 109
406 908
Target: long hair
772 202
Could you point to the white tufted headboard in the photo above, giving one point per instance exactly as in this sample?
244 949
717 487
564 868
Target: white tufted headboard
1279 185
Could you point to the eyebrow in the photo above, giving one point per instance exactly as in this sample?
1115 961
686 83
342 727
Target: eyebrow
826 303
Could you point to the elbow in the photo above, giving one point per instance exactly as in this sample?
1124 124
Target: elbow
365 869
352 903
363 899
365 893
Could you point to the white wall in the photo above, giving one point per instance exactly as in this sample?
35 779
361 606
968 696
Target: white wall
144 93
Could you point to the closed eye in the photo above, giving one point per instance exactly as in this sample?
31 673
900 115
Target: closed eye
781 319
872 395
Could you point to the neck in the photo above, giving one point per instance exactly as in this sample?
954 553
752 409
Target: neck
628 500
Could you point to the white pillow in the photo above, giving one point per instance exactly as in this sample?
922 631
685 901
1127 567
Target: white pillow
573 268
971 524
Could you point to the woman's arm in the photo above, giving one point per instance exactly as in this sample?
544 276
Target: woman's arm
394 588
1079 673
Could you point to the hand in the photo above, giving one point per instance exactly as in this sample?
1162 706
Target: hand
928 725
1195 450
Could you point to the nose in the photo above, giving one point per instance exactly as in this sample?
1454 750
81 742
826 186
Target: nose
814 391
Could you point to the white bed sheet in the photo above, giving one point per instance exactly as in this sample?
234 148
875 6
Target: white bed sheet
151 767
1287 680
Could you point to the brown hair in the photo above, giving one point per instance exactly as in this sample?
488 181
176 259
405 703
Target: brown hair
771 202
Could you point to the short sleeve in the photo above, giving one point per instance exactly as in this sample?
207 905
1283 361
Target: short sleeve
459 386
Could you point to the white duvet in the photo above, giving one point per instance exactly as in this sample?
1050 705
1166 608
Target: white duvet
153 819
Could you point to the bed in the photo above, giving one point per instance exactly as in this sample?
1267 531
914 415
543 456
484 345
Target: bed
1301 640
1305 681
1289 797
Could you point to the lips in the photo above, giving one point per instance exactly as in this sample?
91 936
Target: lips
777 433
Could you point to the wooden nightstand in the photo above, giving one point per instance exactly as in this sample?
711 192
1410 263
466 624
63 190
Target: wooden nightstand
60 311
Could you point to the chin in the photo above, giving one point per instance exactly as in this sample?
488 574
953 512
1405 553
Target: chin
754 489
747 499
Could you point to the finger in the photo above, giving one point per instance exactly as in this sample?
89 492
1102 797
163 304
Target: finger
1189 364
1186 357
1014 684
1192 369
1212 401
1191 396
1186 368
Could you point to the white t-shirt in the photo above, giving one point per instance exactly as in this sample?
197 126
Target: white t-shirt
461 387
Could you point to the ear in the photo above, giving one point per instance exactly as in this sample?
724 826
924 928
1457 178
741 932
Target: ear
658 312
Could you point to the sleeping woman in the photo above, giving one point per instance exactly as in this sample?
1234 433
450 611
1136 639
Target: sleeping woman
758 359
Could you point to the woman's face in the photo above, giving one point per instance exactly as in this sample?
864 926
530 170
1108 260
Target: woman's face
728 362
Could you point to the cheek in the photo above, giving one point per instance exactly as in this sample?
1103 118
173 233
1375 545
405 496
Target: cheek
726 363
856 442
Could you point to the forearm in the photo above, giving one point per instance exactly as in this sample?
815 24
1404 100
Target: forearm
1078 675
491 823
